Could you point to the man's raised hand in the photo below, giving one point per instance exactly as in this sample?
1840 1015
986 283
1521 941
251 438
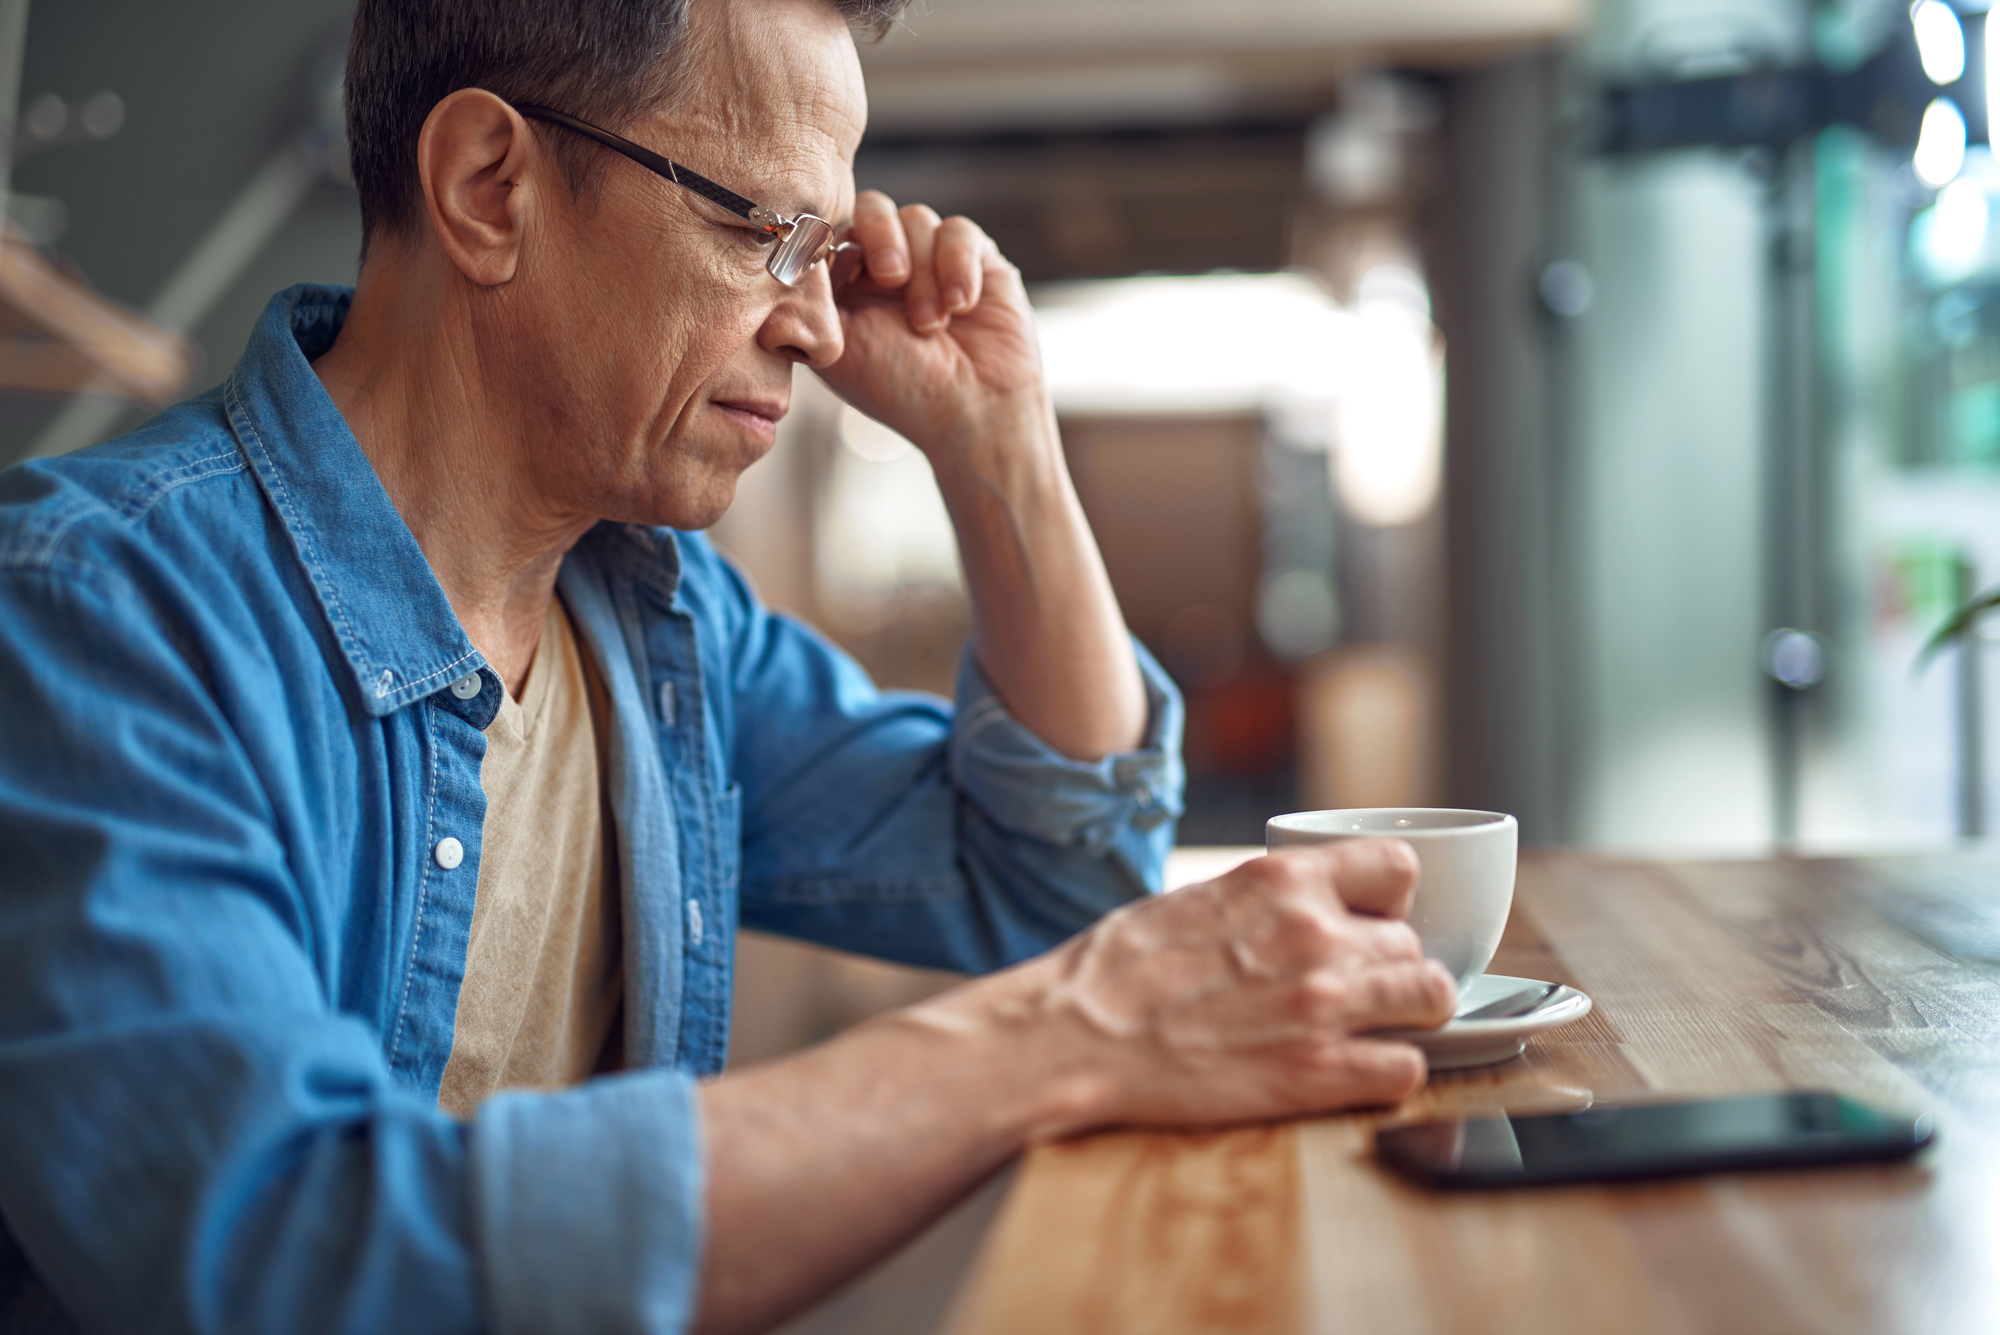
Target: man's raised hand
940 340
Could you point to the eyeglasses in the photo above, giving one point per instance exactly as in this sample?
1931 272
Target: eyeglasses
802 241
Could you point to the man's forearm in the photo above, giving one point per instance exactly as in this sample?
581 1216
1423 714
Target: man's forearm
1045 621
820 1164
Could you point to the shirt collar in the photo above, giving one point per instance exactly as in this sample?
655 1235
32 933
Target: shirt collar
389 615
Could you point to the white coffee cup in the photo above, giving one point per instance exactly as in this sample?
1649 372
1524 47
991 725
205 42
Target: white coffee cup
1466 884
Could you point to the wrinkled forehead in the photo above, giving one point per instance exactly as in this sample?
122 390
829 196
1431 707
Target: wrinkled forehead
773 95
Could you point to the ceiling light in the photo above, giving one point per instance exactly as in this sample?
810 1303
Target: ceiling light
1940 143
1940 41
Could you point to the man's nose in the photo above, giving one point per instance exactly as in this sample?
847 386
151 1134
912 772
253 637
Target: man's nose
805 324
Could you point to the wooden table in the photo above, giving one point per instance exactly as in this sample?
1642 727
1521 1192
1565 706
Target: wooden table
1878 977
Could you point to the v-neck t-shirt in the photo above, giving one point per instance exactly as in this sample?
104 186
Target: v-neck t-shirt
541 998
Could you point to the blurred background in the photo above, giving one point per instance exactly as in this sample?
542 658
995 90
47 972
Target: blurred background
1585 412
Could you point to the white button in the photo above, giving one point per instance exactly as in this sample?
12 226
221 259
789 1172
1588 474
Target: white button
467 686
449 852
667 703
694 922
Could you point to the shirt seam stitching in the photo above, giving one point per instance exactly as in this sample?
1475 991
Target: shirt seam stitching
158 488
423 891
415 682
41 552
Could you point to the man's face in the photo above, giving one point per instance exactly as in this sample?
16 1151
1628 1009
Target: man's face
654 350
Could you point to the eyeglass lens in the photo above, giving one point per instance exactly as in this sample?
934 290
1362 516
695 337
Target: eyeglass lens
805 247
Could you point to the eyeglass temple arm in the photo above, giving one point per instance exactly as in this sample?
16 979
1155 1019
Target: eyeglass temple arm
652 161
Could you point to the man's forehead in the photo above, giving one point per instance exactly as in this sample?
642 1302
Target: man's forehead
774 89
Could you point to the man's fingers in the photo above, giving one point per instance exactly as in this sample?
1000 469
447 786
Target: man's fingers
960 262
1417 995
1404 994
1386 940
878 230
1367 1072
920 226
940 263
1377 876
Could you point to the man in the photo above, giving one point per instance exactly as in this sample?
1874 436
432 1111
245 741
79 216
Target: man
387 761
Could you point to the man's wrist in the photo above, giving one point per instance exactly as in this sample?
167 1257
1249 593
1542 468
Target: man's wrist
1011 450
1025 1061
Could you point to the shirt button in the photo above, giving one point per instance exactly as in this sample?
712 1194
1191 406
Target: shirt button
448 852
467 686
668 706
694 922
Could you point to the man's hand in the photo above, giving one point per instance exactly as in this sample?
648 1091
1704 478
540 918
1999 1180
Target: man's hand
940 338
1248 997
940 345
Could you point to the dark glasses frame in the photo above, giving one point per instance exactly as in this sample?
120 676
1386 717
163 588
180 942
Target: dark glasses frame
803 240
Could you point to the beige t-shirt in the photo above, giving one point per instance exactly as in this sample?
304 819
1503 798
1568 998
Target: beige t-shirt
541 1002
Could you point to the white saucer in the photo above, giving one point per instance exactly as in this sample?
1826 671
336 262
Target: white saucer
1463 1043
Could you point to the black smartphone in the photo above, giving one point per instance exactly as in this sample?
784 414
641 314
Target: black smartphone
1617 1142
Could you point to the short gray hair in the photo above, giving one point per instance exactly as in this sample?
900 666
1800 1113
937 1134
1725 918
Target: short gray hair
605 61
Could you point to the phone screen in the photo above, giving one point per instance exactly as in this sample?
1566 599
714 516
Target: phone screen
1796 1128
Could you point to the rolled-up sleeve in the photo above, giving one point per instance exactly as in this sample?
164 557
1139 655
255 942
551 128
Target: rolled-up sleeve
616 1162
1031 790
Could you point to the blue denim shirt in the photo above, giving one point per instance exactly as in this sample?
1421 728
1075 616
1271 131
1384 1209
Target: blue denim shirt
238 717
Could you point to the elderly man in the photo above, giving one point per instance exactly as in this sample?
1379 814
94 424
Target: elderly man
387 762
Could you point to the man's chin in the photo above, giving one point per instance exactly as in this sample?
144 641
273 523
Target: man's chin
690 507
678 483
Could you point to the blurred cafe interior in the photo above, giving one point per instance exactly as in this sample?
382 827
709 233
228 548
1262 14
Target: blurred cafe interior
1582 411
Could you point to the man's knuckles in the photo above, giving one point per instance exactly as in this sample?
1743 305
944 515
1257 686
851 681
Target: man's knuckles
1322 997
1379 996
1310 932
1392 939
1286 874
1340 999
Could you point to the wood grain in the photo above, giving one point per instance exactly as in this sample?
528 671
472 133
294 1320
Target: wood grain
1708 978
1136 1231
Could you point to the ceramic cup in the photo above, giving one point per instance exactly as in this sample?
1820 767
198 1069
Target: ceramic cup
1466 884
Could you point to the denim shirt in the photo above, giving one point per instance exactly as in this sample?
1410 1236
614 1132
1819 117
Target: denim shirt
239 727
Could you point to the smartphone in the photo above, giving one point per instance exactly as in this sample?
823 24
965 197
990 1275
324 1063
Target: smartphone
1619 1142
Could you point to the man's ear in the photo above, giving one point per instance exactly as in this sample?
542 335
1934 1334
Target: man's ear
473 158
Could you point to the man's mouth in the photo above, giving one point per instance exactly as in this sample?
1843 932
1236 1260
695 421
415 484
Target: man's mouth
760 416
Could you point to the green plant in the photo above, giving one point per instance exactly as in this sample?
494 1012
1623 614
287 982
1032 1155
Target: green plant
1959 623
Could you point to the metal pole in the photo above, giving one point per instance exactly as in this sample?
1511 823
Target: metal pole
13 48
1790 481
1971 717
